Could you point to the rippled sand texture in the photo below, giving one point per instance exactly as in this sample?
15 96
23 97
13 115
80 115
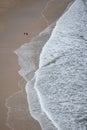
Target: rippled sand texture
17 17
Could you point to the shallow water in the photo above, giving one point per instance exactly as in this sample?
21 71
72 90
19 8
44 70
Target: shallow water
18 115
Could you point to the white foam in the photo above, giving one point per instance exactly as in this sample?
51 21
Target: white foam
72 25
61 81
35 107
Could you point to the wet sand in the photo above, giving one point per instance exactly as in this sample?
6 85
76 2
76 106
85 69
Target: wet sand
15 19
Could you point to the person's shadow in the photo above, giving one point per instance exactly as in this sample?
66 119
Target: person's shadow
25 33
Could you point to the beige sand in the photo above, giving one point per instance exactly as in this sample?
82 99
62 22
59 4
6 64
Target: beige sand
17 17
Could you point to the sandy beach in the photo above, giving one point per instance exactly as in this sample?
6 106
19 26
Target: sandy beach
17 18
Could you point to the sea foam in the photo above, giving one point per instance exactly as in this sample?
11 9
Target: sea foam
61 80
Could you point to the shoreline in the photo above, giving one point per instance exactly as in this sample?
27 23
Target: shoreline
11 38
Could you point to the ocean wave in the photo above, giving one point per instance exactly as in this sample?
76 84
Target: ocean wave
61 80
